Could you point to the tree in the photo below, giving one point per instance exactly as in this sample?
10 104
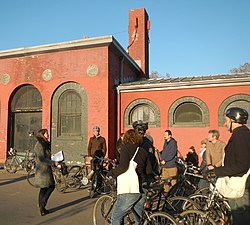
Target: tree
245 68
155 74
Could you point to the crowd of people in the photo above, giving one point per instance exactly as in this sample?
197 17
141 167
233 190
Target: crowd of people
136 148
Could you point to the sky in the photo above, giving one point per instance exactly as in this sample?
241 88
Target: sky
187 37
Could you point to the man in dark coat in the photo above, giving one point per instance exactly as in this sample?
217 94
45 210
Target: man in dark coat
237 161
168 155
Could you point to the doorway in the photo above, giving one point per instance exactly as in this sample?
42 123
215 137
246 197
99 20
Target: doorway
25 118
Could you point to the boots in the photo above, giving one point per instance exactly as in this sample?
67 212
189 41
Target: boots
43 211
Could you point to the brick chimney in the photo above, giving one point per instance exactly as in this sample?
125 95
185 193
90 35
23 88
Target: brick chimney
138 46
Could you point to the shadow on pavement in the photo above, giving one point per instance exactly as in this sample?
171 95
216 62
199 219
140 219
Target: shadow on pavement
78 207
69 204
10 181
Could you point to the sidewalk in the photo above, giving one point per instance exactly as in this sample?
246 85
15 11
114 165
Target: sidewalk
19 204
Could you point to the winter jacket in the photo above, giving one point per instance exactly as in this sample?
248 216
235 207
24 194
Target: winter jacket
169 153
43 175
237 154
144 167
97 143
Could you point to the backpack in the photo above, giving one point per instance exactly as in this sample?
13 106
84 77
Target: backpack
153 155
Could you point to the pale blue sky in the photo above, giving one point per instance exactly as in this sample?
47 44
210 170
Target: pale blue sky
187 37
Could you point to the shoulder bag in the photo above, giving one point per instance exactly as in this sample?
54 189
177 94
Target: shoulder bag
128 182
232 187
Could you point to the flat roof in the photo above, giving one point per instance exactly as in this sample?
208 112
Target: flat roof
66 46
167 83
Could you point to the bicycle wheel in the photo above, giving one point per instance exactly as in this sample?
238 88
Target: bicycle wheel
204 191
93 185
31 177
74 177
60 181
103 186
103 210
30 164
178 204
11 164
195 217
160 218
219 210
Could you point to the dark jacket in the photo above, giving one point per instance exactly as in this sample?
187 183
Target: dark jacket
237 154
192 158
118 147
169 153
147 144
97 143
144 167
43 176
203 166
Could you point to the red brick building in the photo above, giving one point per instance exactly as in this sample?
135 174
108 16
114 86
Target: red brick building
70 87
188 106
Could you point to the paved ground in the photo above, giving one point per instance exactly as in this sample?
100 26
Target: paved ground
18 204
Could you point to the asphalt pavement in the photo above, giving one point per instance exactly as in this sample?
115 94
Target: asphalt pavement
18 204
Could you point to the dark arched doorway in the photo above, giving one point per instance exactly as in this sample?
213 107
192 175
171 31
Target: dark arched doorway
25 117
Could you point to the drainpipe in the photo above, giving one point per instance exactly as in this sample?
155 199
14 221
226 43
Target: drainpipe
119 97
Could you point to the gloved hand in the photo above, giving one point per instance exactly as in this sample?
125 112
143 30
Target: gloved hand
210 173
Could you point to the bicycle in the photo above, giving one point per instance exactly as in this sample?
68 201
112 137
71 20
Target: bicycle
104 205
183 186
59 174
77 175
15 161
99 184
213 203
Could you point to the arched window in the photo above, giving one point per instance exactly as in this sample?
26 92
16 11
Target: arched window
69 114
188 112
240 100
69 124
142 112
27 98
142 109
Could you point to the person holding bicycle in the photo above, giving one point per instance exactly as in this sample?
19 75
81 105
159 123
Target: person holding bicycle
43 175
96 147
125 199
97 143
237 161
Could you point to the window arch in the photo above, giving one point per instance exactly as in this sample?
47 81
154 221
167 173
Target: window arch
69 114
240 100
142 109
69 125
188 112
27 98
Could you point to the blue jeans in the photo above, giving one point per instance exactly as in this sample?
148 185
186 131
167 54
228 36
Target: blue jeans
241 209
122 206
